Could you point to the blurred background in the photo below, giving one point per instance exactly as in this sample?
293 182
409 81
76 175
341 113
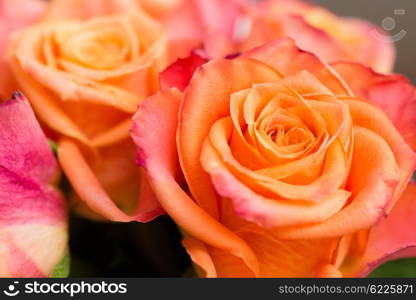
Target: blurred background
382 13
154 249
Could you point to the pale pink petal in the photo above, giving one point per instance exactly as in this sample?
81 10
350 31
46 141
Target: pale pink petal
32 212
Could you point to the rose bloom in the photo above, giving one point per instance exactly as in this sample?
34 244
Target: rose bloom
318 30
225 27
85 68
33 222
276 164
213 24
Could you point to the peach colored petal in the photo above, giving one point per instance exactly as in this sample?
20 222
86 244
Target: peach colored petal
300 258
285 57
228 265
295 26
200 256
367 116
392 238
334 170
205 101
67 86
160 8
373 191
114 135
46 107
394 94
267 212
155 121
328 271
88 186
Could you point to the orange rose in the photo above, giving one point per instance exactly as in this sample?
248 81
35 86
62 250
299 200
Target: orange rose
85 68
291 165
317 30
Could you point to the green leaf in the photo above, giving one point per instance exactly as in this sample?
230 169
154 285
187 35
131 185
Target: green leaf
62 268
396 268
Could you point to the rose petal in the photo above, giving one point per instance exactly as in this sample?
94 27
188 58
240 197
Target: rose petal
180 73
392 238
32 213
80 9
155 121
200 256
159 8
373 191
101 189
206 100
394 94
266 212
299 258
284 56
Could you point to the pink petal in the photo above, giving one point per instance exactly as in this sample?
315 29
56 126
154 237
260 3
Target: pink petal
180 73
212 23
32 211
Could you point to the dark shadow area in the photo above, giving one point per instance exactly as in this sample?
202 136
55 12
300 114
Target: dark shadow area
126 249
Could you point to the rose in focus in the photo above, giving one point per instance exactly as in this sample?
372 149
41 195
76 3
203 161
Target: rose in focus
292 168
85 67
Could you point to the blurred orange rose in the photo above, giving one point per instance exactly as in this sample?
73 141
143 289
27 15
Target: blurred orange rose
317 30
227 27
291 165
85 68
14 15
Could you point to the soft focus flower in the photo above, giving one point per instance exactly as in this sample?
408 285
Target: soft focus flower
191 24
85 68
317 30
159 9
14 15
291 165
33 229
227 27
